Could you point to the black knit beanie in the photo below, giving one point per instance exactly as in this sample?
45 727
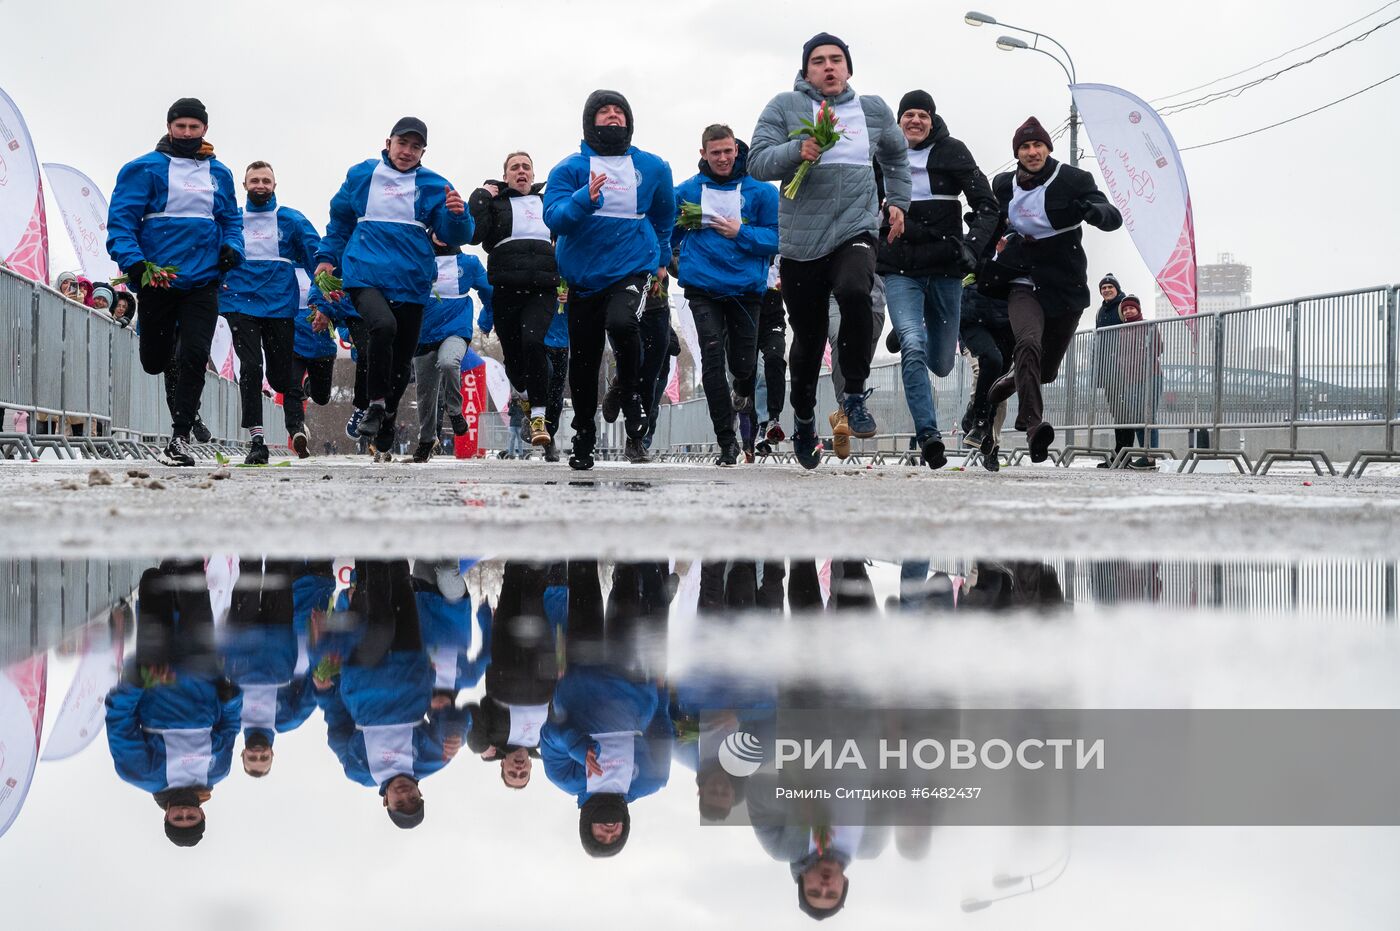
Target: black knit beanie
825 38
916 100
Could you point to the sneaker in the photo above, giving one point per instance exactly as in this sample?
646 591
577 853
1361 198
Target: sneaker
840 434
383 443
978 434
728 454
858 418
1106 464
200 432
991 461
612 402
1142 464
806 445
969 418
1039 440
635 452
539 432
636 415
352 426
551 452
1003 388
762 448
933 452
424 451
178 453
582 456
372 422
773 431
302 444
257 452
459 424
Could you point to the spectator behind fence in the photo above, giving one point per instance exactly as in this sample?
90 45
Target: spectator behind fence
1107 374
1140 367
103 297
124 309
67 284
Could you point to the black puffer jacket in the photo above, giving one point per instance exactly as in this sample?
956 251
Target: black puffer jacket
524 264
1056 265
933 229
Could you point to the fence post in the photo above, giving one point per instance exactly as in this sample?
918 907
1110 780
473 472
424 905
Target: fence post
1392 318
1295 367
1070 376
1217 413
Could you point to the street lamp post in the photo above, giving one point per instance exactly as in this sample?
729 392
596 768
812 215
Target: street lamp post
1010 43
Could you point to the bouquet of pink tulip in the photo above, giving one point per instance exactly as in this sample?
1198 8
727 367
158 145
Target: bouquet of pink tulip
154 276
824 133
332 288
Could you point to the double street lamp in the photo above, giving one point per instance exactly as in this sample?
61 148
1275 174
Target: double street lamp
1011 43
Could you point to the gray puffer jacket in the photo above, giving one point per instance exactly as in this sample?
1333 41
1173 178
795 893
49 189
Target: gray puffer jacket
835 202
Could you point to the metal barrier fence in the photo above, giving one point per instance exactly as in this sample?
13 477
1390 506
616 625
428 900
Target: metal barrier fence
42 601
1314 380
78 377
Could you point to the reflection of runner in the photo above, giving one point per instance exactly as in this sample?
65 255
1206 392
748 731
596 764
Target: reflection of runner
173 718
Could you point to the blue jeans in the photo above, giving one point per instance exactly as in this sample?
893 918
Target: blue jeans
925 313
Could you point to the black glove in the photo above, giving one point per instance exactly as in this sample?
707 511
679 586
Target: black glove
225 688
967 258
134 274
1096 214
229 258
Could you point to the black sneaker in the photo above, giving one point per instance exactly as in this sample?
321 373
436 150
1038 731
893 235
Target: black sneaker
728 454
969 417
383 444
372 422
424 451
1142 464
551 452
991 461
459 424
1106 464
200 432
352 426
302 444
806 445
636 414
763 449
178 453
612 402
859 421
933 452
635 452
582 456
257 452
1039 440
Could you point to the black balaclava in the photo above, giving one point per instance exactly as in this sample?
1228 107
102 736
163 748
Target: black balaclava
607 140
261 198
603 808
187 107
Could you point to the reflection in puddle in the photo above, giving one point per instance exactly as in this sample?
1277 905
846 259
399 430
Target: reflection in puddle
632 704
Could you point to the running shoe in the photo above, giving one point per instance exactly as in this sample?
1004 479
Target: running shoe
200 431
372 422
612 402
728 454
636 414
932 451
635 452
459 424
1039 440
352 426
858 418
301 444
257 452
773 431
178 452
991 460
424 451
806 445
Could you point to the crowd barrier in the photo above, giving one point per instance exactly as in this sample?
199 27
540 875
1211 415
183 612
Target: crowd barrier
43 601
1313 380
76 375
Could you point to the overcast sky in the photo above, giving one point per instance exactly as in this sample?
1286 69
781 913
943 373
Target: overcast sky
314 86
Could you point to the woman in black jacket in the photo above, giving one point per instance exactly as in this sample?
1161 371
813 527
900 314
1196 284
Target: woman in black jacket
1040 269
509 218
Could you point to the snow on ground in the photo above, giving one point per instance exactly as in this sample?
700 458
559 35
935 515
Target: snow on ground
340 505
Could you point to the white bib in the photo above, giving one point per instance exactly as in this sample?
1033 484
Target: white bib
1027 211
304 287
188 754
853 148
444 658
190 190
525 724
391 196
844 837
720 203
260 237
918 171
260 706
389 751
527 218
620 190
616 755
447 286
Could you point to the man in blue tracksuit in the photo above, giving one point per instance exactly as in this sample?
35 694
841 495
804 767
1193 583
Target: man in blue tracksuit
381 719
173 718
611 205
260 299
177 206
445 617
724 270
375 236
447 330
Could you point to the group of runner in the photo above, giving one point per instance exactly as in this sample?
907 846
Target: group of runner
871 214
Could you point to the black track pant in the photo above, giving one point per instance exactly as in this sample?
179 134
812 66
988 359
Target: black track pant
177 329
848 273
522 318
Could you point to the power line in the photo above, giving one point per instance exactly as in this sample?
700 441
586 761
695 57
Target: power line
1294 118
1216 96
1269 61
